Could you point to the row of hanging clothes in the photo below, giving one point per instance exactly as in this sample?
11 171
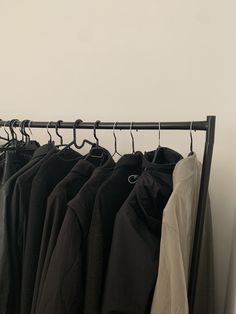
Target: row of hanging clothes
88 234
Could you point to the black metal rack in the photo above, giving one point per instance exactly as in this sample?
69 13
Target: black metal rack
208 126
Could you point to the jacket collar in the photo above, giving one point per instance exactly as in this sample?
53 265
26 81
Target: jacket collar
43 150
130 161
166 160
185 168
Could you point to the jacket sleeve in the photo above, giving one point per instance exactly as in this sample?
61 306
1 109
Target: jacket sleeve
95 271
49 232
61 289
4 256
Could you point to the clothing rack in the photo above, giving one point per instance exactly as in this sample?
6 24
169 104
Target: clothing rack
208 126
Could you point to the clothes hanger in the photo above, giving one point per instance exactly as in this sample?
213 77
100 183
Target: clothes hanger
132 179
50 141
191 139
21 129
58 123
74 141
3 138
12 142
30 127
115 142
59 135
84 141
25 136
13 133
8 135
96 151
9 140
159 144
27 144
31 133
132 137
5 145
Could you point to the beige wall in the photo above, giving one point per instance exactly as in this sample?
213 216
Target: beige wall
129 60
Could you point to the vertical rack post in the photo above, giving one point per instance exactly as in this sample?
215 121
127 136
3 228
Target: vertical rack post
196 251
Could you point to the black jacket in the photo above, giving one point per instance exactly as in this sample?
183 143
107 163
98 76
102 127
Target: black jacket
49 174
63 289
7 238
132 268
109 199
16 159
64 191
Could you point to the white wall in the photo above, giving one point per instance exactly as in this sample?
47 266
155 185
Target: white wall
129 60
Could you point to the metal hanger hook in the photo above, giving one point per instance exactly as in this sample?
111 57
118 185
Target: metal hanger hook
4 128
76 123
50 136
58 123
28 122
114 134
159 135
21 130
11 126
96 123
132 137
191 137
28 126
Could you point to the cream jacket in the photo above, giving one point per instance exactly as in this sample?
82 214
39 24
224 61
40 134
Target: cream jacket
170 295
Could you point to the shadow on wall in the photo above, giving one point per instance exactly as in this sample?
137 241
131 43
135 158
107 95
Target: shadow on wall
230 303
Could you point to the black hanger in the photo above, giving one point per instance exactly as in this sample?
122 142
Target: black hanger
96 151
4 138
25 136
21 129
26 143
8 135
5 145
12 142
13 139
191 139
77 122
29 145
74 141
115 141
59 135
13 133
58 123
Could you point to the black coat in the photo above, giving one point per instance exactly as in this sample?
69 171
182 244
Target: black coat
133 262
109 199
49 174
63 290
64 191
11 225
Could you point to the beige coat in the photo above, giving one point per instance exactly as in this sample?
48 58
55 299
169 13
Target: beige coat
170 296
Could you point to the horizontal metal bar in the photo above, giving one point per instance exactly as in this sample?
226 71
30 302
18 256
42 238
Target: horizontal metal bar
196 125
